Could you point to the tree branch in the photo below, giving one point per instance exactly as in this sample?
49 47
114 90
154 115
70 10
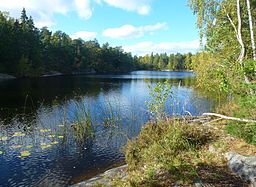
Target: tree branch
229 118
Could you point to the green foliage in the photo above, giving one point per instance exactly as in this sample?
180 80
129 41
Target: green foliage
158 98
27 51
163 61
250 69
218 67
244 131
243 106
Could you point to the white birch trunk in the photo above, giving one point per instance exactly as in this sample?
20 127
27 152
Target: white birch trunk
251 29
239 34
240 40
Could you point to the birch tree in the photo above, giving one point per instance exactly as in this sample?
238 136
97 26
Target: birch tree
251 29
218 21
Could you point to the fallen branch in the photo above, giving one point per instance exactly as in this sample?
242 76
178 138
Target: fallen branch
229 118
218 119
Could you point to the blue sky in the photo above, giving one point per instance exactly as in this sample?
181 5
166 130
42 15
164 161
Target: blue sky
140 26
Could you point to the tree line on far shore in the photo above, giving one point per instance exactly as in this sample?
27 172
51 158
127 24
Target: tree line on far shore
26 51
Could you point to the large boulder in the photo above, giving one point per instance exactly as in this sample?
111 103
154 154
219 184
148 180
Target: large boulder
243 166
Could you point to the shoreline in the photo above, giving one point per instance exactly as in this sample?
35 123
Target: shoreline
104 178
220 154
4 76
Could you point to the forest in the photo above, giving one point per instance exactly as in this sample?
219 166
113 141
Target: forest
163 61
27 51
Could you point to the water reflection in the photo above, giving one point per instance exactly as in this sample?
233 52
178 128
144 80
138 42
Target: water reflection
60 130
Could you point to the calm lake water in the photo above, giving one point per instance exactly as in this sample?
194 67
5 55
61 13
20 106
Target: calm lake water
42 142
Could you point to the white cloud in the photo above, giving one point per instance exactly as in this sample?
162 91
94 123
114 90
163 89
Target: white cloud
43 11
140 6
147 47
130 31
83 8
85 35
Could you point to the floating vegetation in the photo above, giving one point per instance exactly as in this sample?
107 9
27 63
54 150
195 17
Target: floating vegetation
60 137
51 136
45 130
4 138
16 146
18 134
54 143
24 153
29 146
45 146
1 152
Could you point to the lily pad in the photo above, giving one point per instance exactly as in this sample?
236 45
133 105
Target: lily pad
45 130
29 146
16 146
51 136
54 143
4 138
18 134
45 146
24 153
60 137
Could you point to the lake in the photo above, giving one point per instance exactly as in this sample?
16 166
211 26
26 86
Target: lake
43 139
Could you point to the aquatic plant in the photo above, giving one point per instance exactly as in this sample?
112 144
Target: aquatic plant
54 143
16 146
18 134
45 146
82 125
4 138
24 153
45 130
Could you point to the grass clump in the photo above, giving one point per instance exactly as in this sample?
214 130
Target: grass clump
166 153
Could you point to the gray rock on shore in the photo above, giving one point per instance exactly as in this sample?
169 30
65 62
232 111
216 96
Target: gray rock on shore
243 166
6 76
105 178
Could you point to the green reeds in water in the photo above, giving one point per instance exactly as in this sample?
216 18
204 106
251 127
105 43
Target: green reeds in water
83 124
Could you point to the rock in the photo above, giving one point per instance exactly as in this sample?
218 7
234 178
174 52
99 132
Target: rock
105 178
85 72
212 149
198 183
52 74
6 76
243 166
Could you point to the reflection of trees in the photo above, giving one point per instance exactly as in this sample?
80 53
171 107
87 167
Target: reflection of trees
184 82
27 95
